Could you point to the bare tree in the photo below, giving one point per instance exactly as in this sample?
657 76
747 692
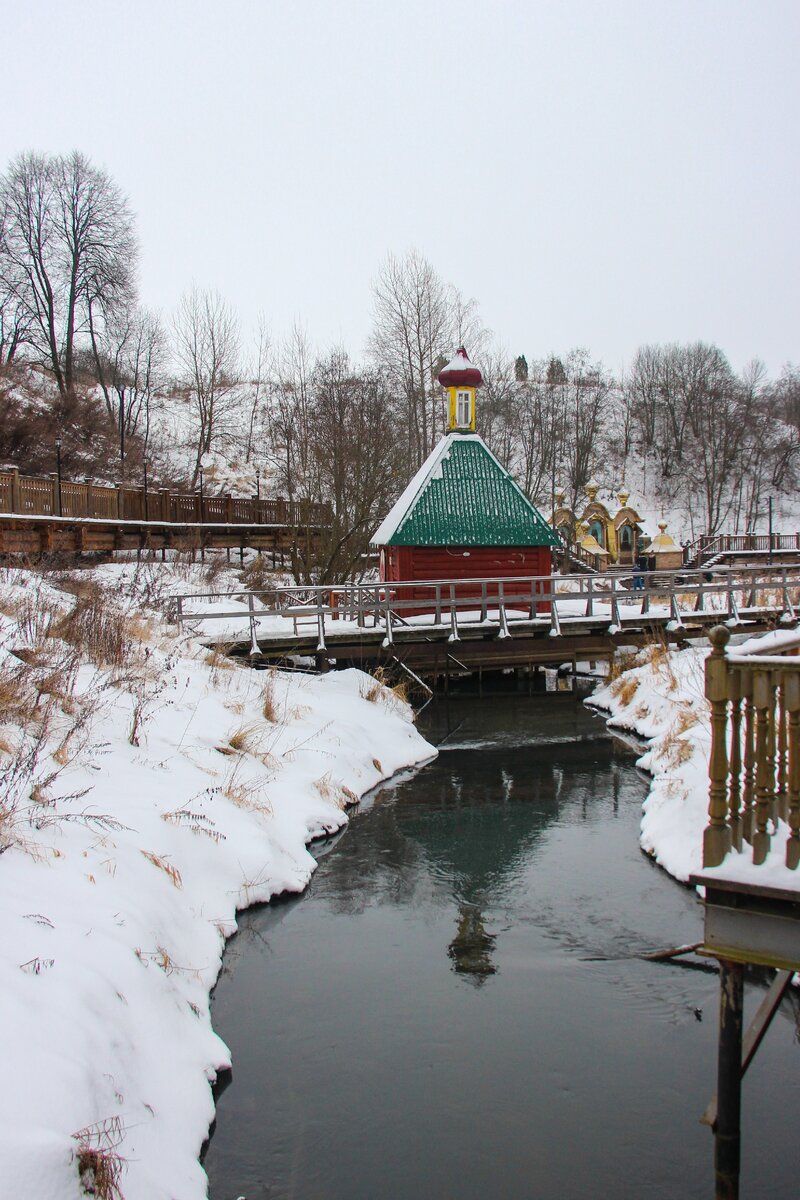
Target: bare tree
263 348
330 430
130 358
69 245
418 323
206 334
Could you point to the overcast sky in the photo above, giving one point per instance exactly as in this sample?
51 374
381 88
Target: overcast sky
600 173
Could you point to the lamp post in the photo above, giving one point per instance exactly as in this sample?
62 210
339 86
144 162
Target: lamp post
58 471
202 546
258 484
146 512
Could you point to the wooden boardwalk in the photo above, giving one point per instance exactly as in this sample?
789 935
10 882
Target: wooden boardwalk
47 514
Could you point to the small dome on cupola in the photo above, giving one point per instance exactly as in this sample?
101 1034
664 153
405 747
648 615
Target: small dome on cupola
460 372
462 380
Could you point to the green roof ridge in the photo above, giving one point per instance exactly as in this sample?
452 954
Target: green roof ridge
469 499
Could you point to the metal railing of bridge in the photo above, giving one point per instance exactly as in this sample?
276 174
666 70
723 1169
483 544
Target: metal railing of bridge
754 763
709 546
47 496
460 604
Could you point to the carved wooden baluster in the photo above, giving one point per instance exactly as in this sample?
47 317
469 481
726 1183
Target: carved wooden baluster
748 796
717 834
763 699
735 792
781 802
792 701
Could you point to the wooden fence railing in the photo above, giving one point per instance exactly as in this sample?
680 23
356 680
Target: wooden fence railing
754 766
31 495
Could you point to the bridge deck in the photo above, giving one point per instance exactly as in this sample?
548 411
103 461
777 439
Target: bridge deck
496 623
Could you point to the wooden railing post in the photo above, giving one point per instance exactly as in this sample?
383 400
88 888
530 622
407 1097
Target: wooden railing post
749 790
164 504
791 697
717 834
763 700
781 808
15 501
734 802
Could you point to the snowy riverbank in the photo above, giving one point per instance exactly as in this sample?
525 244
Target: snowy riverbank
659 695
149 789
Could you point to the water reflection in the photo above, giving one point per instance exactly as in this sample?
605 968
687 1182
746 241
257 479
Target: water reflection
471 948
456 1007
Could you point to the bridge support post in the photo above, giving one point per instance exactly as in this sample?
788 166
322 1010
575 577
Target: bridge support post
727 1138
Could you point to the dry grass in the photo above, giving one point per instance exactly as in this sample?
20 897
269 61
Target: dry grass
621 663
97 629
172 873
382 689
195 822
624 689
675 747
248 796
269 703
217 659
343 797
17 699
100 1165
257 576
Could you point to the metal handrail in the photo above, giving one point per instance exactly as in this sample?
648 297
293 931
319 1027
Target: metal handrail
469 602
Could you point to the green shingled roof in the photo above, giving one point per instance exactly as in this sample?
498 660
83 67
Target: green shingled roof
469 500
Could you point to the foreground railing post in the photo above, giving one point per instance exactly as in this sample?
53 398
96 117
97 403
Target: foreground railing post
734 803
748 810
791 695
781 806
717 834
764 700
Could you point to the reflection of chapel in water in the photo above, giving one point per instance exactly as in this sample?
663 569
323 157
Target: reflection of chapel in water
479 854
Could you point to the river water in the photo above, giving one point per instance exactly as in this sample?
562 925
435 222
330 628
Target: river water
456 1009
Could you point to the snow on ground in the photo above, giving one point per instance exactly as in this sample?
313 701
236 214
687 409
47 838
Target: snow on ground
660 696
149 788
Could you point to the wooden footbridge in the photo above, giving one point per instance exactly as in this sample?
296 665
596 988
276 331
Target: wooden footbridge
439 629
47 514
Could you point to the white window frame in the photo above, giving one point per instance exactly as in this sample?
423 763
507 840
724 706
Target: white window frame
463 408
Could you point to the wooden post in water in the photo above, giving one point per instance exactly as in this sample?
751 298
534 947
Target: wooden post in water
727 1136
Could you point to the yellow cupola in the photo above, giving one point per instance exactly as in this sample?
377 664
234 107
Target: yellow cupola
462 380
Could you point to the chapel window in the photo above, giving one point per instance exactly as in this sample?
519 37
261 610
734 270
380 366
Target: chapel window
463 409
